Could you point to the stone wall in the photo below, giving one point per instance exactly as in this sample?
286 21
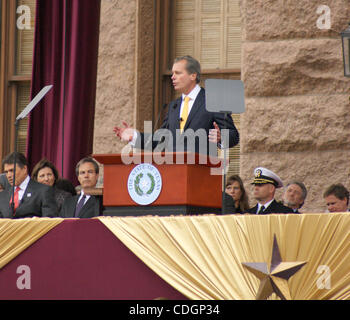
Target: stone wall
116 87
125 70
297 119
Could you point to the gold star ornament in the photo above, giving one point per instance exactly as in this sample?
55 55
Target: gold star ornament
276 279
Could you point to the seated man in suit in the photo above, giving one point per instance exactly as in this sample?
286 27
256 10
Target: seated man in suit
30 197
294 196
265 184
83 205
336 198
188 125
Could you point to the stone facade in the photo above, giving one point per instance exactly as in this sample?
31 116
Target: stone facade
297 117
297 120
116 72
125 70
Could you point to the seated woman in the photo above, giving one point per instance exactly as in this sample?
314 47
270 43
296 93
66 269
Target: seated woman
46 173
235 188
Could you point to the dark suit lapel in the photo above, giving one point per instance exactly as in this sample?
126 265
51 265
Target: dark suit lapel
176 113
8 193
75 203
197 105
70 206
271 208
28 193
87 206
254 209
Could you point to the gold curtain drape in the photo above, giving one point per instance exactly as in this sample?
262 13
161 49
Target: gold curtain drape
201 256
17 235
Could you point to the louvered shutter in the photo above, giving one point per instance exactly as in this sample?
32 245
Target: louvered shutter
24 59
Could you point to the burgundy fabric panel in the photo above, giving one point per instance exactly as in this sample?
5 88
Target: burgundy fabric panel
68 61
82 259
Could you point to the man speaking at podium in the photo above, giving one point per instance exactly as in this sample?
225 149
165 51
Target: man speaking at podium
188 126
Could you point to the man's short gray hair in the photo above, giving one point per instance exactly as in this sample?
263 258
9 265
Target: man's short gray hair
85 160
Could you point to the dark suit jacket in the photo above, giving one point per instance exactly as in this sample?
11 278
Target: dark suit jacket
199 118
60 196
92 207
3 181
38 200
229 204
274 207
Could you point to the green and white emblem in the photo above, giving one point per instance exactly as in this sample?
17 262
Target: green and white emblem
144 184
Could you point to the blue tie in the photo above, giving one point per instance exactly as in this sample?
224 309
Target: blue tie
79 206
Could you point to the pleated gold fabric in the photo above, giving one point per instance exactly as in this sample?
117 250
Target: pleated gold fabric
201 256
17 235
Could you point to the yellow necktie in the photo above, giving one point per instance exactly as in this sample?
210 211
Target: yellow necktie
184 114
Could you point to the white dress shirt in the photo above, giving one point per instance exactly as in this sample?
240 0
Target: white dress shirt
22 187
87 196
192 95
265 205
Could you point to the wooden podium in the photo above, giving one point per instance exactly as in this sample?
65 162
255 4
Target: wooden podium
188 184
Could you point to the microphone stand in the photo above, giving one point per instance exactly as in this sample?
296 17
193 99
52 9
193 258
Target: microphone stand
227 97
159 115
22 115
149 140
223 210
14 170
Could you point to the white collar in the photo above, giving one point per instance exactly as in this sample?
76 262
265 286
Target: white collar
24 183
265 205
193 94
87 196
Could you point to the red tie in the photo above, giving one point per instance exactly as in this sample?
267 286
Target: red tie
16 200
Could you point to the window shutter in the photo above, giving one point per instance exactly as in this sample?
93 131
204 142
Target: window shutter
25 42
209 30
24 60
23 94
235 151
185 21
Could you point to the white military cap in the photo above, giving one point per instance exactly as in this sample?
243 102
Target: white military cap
263 175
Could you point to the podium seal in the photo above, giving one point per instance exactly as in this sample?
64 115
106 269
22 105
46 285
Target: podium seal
144 184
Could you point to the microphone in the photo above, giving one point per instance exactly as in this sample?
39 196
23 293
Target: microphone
149 140
160 113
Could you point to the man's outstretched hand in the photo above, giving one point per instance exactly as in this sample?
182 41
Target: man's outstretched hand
125 133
